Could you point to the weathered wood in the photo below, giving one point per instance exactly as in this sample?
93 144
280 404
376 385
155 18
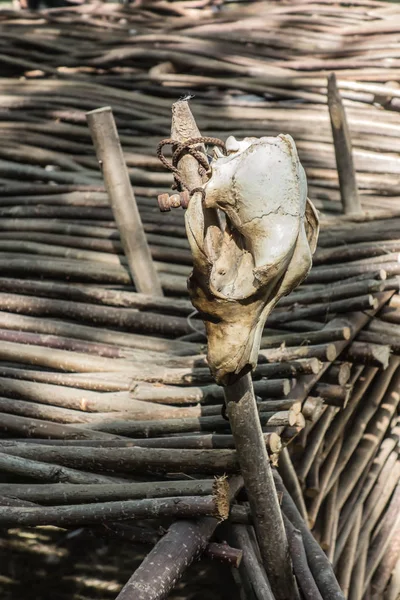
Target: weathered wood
347 559
382 537
338 373
370 441
382 574
343 149
200 441
224 553
358 575
241 410
61 516
314 441
319 564
301 568
116 178
130 460
310 337
251 567
330 523
369 354
75 493
42 471
291 482
333 395
165 564
325 474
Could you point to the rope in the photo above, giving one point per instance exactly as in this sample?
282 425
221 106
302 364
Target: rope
178 150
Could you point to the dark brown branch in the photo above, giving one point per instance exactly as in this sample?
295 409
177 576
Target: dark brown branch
135 459
224 553
319 564
83 493
291 482
251 568
85 514
302 571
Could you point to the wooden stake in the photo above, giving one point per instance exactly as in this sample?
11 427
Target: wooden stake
116 178
251 568
244 420
343 150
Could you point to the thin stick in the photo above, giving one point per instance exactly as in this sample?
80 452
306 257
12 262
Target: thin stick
165 564
347 559
130 460
358 575
116 178
343 150
224 553
257 474
291 481
183 542
318 562
300 564
84 514
251 568
53 493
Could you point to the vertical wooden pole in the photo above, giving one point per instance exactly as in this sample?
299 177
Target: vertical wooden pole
243 416
116 179
343 150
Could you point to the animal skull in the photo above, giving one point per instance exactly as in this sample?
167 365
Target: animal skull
262 254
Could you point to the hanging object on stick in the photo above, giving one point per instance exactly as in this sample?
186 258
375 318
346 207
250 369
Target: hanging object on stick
262 254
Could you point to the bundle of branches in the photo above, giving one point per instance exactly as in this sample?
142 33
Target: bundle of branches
348 468
246 82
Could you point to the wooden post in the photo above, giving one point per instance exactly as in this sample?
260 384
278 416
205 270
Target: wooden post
116 179
343 150
243 416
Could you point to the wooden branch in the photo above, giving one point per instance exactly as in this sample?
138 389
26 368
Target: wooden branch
199 441
338 373
310 337
291 482
85 514
358 575
302 571
369 354
382 574
55 494
343 149
183 542
251 568
224 553
319 564
334 395
109 154
346 563
325 474
382 537
315 440
370 441
41 471
375 479
135 459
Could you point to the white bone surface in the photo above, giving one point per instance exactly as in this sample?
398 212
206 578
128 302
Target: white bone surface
264 252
